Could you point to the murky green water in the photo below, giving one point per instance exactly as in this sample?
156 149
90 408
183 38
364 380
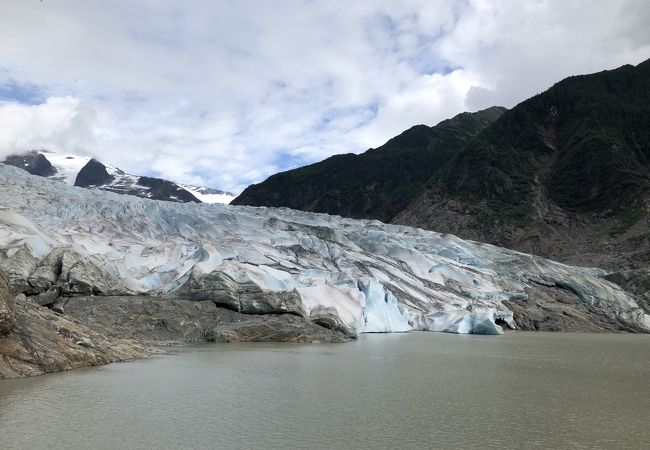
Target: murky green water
419 390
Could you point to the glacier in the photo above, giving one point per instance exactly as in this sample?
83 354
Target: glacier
355 276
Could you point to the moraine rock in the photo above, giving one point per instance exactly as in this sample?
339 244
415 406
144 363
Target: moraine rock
164 321
7 317
43 342
48 271
48 297
35 340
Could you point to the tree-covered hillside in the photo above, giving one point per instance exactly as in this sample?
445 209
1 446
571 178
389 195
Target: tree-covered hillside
564 174
376 184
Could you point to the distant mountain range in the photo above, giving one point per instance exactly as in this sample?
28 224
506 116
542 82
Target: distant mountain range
87 172
564 174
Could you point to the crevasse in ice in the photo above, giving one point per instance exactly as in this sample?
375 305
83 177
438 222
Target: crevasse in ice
354 275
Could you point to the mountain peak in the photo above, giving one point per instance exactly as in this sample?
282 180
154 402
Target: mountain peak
93 174
32 162
562 174
376 184
88 172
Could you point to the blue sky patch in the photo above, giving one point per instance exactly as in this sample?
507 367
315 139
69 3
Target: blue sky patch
29 94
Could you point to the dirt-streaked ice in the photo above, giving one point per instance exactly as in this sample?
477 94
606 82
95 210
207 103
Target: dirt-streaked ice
353 275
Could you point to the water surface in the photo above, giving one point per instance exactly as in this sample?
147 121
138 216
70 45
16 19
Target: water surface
416 390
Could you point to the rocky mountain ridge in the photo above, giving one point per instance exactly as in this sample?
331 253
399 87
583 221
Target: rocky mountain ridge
376 184
90 173
565 174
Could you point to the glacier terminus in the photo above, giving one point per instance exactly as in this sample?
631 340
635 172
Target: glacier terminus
355 276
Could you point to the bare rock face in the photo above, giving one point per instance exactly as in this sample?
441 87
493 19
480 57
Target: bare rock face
18 265
34 163
43 342
636 281
48 271
93 174
34 340
165 321
89 275
551 308
7 317
276 328
245 297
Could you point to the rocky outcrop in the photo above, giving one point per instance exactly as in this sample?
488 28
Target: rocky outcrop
159 189
33 162
48 271
18 263
7 318
276 328
552 308
61 272
636 281
35 340
89 275
93 174
165 321
242 296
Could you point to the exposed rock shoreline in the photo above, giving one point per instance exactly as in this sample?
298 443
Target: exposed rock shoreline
163 321
35 340
96 330
169 274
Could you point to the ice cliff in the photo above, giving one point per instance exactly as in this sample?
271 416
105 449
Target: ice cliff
352 275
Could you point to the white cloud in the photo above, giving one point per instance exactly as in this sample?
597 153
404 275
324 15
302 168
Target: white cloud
226 93
429 99
522 48
61 123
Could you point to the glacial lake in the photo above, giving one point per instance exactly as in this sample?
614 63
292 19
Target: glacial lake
416 390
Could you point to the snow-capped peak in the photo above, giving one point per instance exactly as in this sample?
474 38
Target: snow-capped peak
67 167
209 195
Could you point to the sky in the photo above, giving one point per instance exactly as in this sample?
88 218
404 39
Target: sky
226 93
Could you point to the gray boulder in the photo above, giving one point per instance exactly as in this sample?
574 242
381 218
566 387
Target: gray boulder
48 271
48 297
89 275
18 264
